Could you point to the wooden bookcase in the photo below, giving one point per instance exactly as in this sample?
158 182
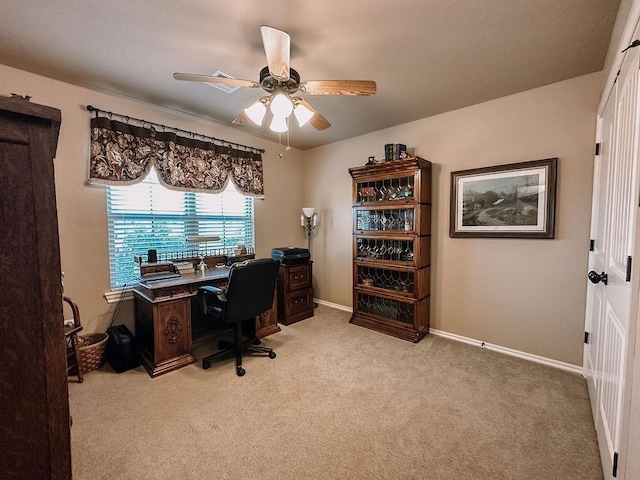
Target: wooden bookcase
392 247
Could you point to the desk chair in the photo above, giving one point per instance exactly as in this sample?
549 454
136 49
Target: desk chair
71 338
249 293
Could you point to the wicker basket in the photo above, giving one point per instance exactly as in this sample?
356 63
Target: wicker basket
92 351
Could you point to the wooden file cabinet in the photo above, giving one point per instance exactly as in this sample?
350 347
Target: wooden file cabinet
295 293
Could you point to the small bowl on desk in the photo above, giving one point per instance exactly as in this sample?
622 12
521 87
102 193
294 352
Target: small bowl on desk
220 265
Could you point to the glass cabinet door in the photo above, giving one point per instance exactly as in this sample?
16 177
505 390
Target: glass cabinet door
385 189
407 282
397 281
384 220
410 250
409 314
387 308
391 220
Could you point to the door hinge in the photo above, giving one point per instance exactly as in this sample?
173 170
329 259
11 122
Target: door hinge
592 245
586 337
615 464
628 279
598 148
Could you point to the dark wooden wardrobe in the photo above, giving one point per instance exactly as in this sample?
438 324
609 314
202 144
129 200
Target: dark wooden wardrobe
34 412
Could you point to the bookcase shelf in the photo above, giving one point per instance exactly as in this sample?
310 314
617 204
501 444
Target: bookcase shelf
392 247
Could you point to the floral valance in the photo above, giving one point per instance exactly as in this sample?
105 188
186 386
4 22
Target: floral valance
122 154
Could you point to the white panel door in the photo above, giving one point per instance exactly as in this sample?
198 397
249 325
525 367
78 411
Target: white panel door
613 227
597 257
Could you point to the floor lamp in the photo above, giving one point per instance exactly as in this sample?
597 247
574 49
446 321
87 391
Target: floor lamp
309 221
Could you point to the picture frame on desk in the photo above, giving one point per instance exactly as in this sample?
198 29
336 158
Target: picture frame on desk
515 200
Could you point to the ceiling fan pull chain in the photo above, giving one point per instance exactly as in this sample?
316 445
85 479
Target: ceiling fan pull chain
288 146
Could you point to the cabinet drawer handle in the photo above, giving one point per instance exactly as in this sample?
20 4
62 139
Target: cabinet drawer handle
300 300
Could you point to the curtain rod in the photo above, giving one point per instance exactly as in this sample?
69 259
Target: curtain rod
127 118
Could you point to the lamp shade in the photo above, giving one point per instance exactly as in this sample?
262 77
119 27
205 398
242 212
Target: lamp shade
281 105
303 114
256 112
308 211
279 124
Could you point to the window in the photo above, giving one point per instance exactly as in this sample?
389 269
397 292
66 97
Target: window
148 215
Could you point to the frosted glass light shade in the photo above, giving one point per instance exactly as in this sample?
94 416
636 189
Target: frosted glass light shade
303 114
281 105
256 112
308 211
279 124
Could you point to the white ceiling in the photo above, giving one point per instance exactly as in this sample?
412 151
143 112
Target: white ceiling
426 56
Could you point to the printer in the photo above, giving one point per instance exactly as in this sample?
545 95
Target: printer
291 255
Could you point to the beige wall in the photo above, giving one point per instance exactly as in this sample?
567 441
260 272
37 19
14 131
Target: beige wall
527 295
82 209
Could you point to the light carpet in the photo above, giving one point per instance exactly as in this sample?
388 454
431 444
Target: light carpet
338 402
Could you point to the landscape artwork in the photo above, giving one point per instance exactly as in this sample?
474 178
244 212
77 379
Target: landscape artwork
515 200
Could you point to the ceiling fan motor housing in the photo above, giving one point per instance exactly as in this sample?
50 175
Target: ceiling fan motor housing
270 84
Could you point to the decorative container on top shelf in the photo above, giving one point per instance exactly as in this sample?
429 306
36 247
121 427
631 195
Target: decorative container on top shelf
392 247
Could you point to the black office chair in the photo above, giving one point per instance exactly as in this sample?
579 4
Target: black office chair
249 293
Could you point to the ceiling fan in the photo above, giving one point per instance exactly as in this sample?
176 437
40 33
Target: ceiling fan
282 82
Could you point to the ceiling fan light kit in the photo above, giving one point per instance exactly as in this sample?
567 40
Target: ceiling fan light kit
281 81
281 107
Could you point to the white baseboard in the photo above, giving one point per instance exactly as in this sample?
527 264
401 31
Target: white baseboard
479 343
509 351
333 305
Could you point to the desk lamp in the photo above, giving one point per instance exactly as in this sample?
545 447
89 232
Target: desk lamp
202 266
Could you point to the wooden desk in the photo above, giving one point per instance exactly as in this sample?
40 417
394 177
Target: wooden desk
163 319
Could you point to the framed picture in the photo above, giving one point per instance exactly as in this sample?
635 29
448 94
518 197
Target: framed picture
505 201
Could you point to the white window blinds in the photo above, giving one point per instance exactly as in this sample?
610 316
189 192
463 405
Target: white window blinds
147 215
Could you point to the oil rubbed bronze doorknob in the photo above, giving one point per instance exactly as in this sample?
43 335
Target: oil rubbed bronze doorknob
598 277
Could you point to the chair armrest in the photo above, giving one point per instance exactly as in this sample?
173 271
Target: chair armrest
208 291
214 290
211 300
74 311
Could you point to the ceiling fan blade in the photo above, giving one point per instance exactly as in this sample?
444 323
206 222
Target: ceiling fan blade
232 82
277 48
240 119
317 121
339 87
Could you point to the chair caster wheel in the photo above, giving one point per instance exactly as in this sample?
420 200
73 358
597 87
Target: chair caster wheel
257 341
272 354
240 371
205 365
